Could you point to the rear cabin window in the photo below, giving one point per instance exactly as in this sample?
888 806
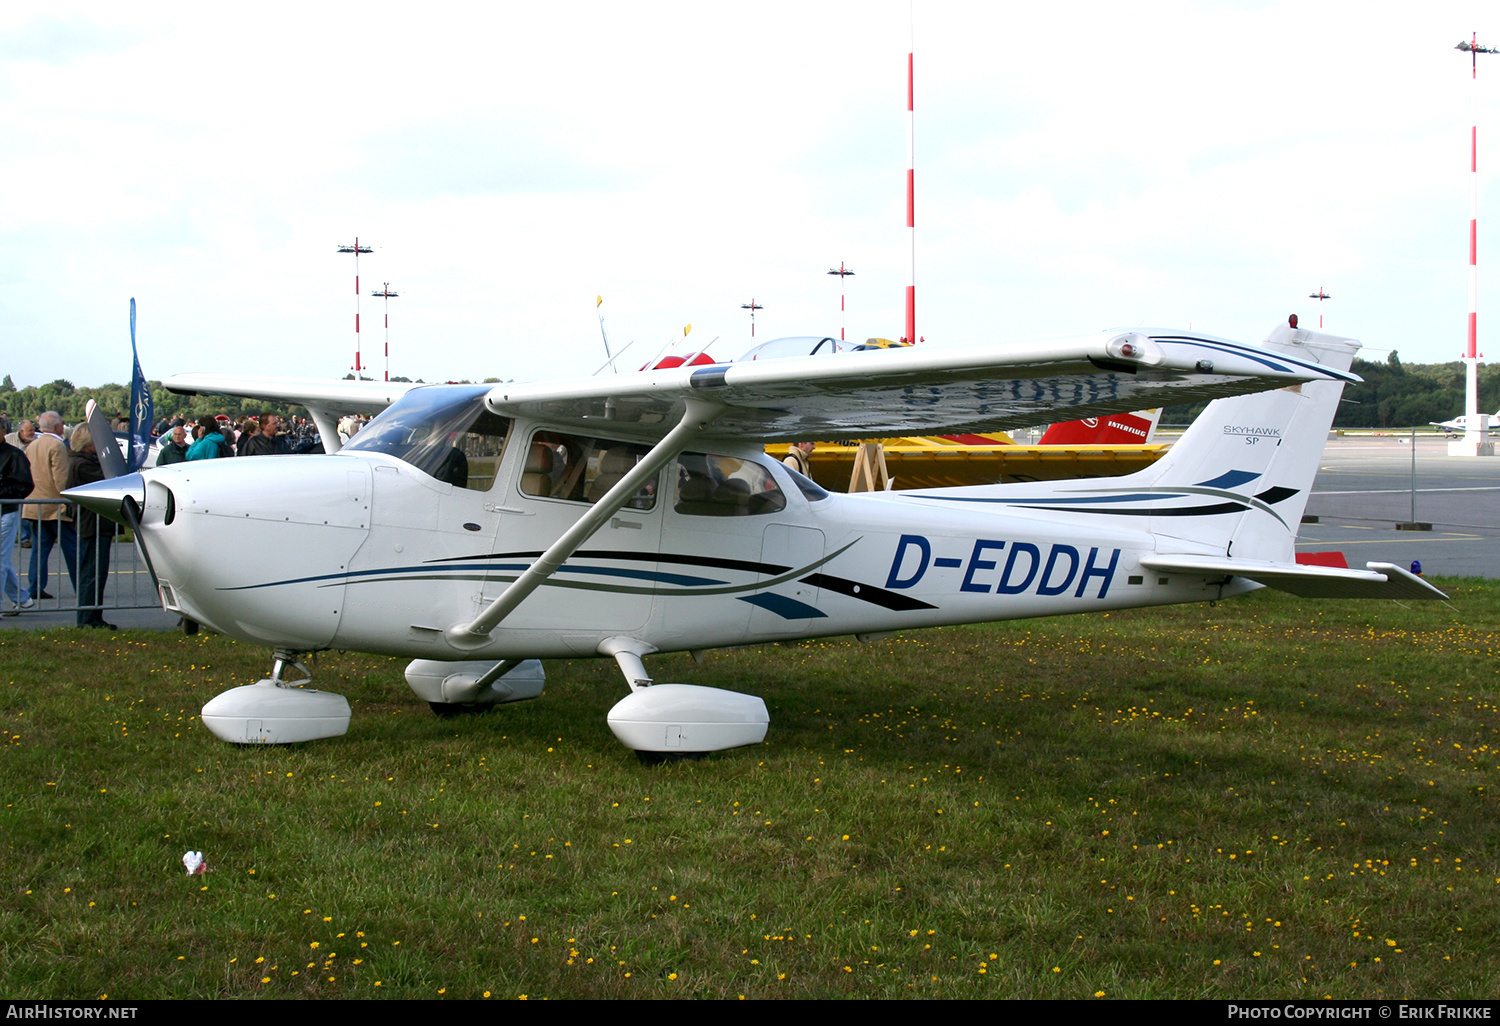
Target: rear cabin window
579 469
725 486
444 431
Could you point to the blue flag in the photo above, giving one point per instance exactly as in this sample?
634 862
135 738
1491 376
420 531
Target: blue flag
140 405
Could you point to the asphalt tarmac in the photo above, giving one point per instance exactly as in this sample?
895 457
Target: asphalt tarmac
1364 488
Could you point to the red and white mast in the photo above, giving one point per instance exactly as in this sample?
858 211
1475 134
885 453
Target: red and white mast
752 306
911 197
843 272
1476 440
387 295
356 249
1319 295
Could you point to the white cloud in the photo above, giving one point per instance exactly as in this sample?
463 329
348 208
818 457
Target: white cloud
1078 165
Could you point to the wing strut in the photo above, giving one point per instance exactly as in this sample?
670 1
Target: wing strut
328 428
698 415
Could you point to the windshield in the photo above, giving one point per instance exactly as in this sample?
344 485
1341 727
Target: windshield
442 430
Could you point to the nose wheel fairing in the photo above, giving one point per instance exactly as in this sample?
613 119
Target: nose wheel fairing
277 711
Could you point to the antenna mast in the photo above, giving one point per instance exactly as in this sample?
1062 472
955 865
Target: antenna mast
1476 440
911 187
386 294
843 272
356 249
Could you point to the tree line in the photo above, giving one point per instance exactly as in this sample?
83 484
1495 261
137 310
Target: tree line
61 395
1394 395
71 401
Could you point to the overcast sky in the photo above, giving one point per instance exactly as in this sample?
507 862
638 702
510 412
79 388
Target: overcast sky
1079 166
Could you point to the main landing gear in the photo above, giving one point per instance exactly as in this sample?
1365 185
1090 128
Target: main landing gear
452 689
659 722
666 721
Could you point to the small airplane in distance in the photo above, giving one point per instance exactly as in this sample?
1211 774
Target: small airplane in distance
474 529
1457 425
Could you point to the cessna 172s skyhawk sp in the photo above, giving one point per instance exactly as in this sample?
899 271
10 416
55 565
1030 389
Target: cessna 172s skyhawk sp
476 528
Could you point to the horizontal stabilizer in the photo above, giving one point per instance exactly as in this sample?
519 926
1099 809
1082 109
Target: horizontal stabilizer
1381 580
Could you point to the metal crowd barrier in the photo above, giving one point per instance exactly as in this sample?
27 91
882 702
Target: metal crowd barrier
127 586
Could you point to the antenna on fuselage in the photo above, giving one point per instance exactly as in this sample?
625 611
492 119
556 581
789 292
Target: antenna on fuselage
611 361
671 345
609 357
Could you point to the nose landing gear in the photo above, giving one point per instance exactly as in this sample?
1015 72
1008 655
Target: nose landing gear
277 711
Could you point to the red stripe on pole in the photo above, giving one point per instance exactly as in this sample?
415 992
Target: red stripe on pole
911 194
1474 148
1473 243
1473 335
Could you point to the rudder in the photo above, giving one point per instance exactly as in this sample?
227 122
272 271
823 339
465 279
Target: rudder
1244 468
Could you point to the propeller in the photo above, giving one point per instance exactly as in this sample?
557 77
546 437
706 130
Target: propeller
111 460
118 501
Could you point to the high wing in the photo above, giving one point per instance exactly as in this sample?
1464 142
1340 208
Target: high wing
327 401
918 389
339 397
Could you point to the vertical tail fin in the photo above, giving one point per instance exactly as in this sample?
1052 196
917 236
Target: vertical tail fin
1240 476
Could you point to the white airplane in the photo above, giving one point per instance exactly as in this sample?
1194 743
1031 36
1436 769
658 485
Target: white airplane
1457 425
476 528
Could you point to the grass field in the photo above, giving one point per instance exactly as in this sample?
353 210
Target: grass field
1263 798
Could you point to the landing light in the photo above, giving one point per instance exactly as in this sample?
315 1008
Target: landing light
1134 347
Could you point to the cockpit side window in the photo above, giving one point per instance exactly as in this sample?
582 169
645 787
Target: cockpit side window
725 486
810 489
579 469
443 431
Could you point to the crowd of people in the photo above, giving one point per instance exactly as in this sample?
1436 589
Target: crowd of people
42 458
214 437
